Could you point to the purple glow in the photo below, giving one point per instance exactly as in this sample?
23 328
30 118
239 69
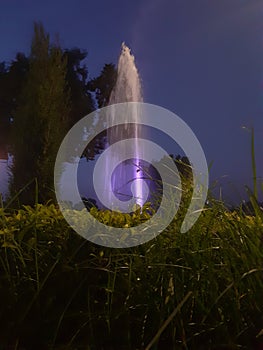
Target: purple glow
128 177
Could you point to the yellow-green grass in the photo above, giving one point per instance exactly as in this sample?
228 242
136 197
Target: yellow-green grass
197 290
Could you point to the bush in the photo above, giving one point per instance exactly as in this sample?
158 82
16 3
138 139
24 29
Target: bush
201 289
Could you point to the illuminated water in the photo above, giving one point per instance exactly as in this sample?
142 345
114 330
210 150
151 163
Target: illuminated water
127 89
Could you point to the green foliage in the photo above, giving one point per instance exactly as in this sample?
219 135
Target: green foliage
103 84
201 289
102 87
11 81
81 99
118 219
41 119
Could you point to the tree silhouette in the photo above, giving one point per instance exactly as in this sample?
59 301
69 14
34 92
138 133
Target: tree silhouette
104 84
41 119
11 81
82 102
42 97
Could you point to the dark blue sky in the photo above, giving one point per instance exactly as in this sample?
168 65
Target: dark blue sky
202 59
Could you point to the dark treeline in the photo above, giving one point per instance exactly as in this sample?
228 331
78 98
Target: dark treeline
41 97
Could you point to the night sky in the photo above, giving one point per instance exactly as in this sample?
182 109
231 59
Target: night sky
201 59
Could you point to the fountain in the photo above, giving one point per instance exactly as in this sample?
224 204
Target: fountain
127 89
119 176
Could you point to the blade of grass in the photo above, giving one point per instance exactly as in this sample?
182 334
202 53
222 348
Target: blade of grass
64 311
39 289
217 299
18 193
168 320
254 169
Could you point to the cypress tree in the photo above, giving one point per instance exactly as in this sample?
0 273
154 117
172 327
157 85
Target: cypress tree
41 119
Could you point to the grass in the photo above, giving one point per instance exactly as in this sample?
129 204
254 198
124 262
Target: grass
201 289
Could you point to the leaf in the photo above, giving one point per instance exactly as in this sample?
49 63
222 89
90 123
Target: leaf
9 245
